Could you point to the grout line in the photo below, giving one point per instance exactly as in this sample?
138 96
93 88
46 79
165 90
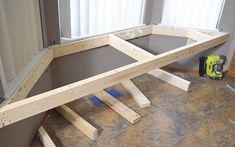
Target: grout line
178 140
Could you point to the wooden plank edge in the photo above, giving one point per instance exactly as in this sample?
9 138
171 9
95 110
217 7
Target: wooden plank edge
118 106
45 138
197 36
212 33
34 75
171 79
169 31
136 94
78 122
185 32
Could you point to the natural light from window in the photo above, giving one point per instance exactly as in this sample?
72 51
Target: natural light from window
80 18
203 14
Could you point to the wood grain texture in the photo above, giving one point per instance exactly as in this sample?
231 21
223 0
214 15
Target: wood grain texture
97 41
33 76
136 94
40 103
118 106
45 138
78 121
140 55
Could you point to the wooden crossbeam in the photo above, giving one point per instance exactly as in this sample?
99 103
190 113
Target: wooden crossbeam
140 54
45 101
132 51
98 41
128 48
197 36
45 138
137 95
169 31
118 106
78 121
183 32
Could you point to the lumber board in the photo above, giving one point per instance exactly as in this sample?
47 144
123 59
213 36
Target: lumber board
118 106
140 54
128 48
197 36
79 46
136 94
170 31
45 138
78 122
98 41
171 79
34 75
40 103
134 33
191 33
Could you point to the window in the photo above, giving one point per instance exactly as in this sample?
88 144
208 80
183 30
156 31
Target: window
79 18
20 39
203 14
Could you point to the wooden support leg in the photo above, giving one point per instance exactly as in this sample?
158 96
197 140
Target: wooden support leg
78 121
45 138
118 106
171 79
137 95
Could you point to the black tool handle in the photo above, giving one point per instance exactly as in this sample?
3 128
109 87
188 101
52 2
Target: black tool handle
202 66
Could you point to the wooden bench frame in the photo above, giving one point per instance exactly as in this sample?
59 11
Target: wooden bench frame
22 108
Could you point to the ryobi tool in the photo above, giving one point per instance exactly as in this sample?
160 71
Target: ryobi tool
212 66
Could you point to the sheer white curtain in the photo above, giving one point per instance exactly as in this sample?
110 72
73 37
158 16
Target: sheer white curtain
89 17
192 13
